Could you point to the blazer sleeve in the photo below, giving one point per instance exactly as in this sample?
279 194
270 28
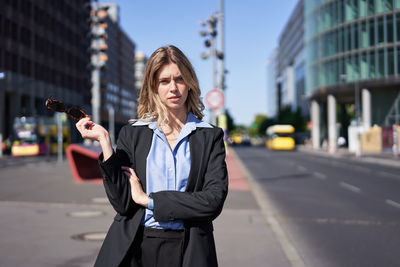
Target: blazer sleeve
115 182
203 205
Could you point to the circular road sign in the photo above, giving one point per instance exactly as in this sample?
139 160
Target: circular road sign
215 99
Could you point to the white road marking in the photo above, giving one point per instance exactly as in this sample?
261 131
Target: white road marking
387 174
339 164
392 203
350 187
362 169
320 175
301 168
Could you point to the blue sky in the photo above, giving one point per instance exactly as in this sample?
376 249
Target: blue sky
252 29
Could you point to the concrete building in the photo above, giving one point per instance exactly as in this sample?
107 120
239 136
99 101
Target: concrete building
290 74
352 62
43 52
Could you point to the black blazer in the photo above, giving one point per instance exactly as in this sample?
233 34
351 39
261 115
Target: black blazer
197 207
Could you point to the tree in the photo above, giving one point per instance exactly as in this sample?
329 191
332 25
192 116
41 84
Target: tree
287 116
260 124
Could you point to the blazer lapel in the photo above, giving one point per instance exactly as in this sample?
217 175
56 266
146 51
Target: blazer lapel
142 148
196 144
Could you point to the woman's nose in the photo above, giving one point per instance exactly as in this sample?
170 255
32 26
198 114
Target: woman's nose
173 86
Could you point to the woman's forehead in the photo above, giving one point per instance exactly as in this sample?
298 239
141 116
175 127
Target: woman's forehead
168 70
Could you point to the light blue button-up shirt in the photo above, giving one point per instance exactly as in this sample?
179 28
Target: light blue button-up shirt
168 169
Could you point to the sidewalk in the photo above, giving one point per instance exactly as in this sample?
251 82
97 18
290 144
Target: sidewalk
385 159
49 220
242 234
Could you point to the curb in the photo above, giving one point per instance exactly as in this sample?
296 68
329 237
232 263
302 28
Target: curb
366 158
269 213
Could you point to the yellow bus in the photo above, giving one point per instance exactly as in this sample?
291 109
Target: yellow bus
280 137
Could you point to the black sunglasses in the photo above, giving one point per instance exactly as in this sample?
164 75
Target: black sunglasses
56 105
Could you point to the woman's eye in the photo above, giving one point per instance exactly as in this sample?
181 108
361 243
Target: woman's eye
163 81
179 79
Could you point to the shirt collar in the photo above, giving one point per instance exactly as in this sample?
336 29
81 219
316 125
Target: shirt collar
192 123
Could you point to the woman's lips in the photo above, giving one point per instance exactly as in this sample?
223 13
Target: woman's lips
174 98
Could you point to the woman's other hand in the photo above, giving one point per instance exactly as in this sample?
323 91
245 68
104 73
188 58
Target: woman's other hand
138 196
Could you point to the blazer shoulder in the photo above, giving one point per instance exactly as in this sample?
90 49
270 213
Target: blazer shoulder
130 128
214 130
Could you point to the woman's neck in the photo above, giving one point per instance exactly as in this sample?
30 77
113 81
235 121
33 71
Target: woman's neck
177 119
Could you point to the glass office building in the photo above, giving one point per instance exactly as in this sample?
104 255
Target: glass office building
353 45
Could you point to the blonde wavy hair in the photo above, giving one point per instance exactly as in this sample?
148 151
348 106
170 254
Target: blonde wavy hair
150 107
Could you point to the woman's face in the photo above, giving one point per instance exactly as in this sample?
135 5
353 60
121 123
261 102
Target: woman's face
172 90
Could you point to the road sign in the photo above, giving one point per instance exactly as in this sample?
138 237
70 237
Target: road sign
215 99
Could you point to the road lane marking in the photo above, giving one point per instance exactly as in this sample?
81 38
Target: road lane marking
320 175
350 187
339 164
392 203
387 174
301 168
362 169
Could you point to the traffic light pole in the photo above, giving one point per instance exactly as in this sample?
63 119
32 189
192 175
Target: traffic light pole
214 114
210 24
222 50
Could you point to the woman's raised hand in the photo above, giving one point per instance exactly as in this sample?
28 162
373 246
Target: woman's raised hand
91 130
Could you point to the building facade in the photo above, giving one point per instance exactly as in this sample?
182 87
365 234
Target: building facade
43 52
117 77
352 62
271 85
290 73
140 65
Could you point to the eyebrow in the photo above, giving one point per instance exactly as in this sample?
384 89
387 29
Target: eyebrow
167 78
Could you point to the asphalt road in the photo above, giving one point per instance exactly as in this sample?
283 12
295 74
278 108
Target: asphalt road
336 212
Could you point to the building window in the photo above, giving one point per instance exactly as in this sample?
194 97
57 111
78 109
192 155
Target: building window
371 7
381 32
371 32
398 60
397 27
389 30
25 67
381 63
25 36
390 61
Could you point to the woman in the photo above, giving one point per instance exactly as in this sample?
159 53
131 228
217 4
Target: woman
167 179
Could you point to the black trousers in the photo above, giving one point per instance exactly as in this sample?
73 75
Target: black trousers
156 248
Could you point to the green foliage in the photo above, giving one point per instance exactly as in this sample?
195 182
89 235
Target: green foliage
287 116
230 122
260 124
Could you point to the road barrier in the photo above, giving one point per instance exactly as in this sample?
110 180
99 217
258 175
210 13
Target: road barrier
83 160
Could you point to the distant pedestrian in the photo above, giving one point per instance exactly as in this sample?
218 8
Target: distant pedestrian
167 179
